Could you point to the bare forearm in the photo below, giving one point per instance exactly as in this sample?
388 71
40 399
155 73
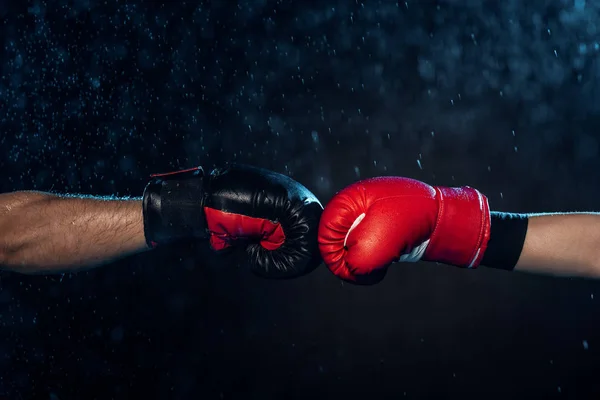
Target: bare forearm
45 233
562 245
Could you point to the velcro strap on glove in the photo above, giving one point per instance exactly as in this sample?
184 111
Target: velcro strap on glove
462 229
173 207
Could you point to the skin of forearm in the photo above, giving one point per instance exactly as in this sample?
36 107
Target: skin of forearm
562 245
48 233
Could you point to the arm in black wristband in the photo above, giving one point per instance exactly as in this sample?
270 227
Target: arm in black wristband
507 237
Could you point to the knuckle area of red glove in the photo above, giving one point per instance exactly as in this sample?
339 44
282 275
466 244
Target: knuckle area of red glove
336 220
363 258
363 252
225 228
350 271
358 258
338 216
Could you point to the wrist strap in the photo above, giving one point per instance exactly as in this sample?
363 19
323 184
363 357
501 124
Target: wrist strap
462 228
173 207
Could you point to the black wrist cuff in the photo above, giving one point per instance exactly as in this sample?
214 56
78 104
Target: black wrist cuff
151 208
507 238
173 207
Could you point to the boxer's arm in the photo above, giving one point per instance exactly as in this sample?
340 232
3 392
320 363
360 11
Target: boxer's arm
562 245
46 233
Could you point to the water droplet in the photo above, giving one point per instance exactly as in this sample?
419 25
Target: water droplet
315 136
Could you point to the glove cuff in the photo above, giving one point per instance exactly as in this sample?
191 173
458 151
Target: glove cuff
173 207
462 229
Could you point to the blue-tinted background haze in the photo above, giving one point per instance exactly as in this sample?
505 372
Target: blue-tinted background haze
500 95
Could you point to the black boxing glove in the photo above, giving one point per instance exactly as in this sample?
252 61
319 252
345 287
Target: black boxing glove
274 218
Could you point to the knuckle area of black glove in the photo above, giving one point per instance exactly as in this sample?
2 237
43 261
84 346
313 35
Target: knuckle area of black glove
283 260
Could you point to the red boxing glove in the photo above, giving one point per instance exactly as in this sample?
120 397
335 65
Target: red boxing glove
375 222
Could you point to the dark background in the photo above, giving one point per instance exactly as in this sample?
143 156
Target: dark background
500 95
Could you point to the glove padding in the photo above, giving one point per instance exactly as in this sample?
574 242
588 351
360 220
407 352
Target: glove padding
269 215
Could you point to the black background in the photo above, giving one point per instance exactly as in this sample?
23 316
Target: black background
502 96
